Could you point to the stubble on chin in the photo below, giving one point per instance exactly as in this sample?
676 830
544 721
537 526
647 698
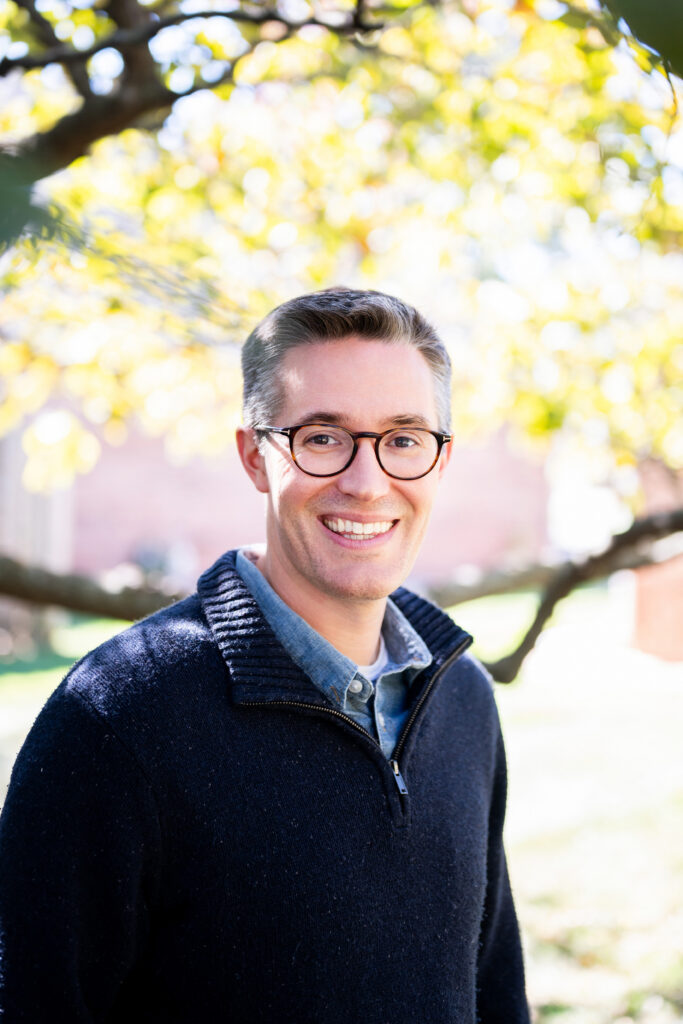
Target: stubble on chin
357 586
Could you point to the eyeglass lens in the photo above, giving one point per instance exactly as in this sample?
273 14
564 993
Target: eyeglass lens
404 453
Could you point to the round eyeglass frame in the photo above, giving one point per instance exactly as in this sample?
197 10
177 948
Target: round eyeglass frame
291 432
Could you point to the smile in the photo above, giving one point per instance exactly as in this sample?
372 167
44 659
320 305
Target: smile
353 530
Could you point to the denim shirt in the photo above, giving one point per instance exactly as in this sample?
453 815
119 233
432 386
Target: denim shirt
381 707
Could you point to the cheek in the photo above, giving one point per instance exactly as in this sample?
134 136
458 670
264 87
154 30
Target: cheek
421 499
290 492
282 480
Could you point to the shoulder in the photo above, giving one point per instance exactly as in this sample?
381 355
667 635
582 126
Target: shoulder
476 673
120 704
467 706
469 680
470 686
473 689
160 651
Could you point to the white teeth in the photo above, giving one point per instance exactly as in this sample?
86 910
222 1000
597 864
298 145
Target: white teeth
369 528
351 529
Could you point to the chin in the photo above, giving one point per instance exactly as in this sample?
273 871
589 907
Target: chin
363 588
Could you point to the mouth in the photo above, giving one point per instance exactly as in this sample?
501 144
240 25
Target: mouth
352 529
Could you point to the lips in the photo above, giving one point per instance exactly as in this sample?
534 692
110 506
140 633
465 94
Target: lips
351 529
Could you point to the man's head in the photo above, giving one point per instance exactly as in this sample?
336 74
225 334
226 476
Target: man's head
332 315
346 529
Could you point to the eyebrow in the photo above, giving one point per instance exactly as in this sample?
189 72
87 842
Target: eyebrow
408 419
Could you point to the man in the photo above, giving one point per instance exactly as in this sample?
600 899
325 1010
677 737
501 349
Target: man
280 800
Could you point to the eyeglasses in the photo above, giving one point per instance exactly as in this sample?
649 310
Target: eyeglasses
322 449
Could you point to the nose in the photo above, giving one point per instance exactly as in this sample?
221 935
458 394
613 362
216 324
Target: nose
364 478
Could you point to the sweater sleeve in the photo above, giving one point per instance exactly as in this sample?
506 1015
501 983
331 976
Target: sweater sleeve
79 839
501 995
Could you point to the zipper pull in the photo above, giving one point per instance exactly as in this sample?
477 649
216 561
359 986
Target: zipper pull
400 782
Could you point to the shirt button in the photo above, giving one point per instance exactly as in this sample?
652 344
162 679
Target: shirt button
355 686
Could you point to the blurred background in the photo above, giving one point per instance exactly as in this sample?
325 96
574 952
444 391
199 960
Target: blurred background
171 170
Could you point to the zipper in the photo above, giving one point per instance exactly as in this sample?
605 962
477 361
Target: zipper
396 774
402 788
310 707
393 763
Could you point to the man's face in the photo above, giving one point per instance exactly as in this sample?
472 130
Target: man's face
361 385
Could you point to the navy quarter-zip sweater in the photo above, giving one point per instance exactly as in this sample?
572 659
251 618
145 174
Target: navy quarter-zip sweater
192 834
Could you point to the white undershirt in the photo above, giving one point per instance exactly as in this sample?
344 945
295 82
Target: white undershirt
375 670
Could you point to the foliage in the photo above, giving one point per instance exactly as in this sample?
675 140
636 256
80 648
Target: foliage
508 167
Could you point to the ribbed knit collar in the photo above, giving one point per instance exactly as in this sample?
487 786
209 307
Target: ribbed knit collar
260 668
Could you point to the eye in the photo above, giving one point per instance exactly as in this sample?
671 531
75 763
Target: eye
405 439
319 438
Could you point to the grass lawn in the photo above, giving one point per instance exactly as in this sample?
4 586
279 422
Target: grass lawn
595 811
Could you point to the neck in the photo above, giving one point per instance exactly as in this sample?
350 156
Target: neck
352 627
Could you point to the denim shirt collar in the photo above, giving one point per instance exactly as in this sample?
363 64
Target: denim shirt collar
260 670
329 670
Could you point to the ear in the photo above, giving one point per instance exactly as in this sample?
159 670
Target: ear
445 458
252 459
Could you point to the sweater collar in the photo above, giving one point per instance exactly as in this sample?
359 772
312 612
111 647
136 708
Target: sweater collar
260 668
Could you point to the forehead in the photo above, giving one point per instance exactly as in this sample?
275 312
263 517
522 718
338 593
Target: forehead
362 381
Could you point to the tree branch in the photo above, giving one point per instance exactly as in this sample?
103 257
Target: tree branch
139 91
48 37
129 15
78 593
46 152
359 15
125 38
571 574
531 577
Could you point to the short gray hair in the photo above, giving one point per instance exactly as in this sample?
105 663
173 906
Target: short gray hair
332 315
